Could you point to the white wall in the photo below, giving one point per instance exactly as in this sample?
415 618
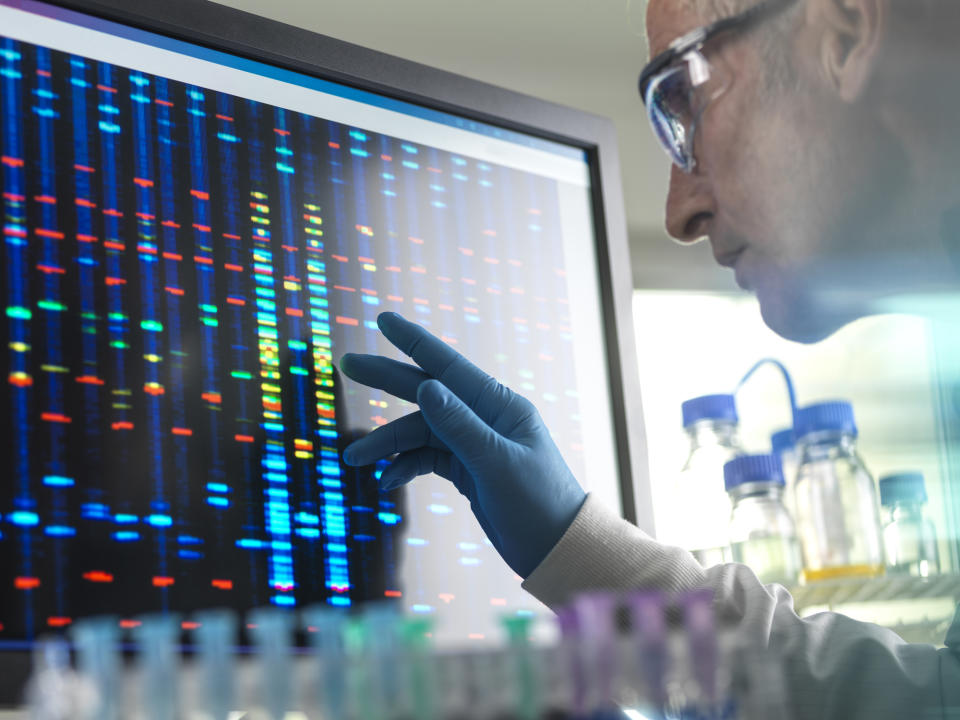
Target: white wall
697 344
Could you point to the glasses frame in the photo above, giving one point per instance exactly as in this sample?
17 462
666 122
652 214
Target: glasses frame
690 47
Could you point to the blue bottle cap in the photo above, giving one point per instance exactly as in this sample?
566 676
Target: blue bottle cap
782 440
752 469
836 416
902 487
709 407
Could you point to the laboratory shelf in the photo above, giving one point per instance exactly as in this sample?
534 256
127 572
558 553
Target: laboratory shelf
929 632
889 588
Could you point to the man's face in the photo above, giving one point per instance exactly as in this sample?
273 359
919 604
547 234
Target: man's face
787 180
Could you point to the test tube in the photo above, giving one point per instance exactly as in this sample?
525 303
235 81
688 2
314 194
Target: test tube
596 621
390 691
649 625
526 683
272 634
98 660
414 632
700 626
53 692
453 673
491 697
159 659
216 635
571 652
555 673
361 700
324 627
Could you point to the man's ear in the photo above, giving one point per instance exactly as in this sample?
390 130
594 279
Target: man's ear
852 32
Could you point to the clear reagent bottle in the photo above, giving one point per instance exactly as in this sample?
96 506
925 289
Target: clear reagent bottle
710 422
762 533
909 536
783 444
837 515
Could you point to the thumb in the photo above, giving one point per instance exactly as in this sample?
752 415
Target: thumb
456 425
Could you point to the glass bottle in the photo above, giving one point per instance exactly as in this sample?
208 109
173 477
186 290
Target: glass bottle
762 533
783 444
910 538
837 514
710 422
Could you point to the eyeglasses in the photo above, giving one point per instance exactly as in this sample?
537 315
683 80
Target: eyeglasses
678 84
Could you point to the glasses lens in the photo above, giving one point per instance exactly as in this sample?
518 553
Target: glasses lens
668 102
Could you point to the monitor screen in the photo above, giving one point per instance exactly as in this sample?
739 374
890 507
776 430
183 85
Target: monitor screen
191 240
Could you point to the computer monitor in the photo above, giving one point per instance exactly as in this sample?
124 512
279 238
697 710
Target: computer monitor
203 210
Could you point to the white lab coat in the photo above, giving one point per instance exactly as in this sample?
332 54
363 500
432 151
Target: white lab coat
835 668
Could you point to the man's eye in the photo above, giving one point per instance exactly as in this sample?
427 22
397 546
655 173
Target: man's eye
674 94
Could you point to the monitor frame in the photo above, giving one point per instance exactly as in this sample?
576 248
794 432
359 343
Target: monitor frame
258 38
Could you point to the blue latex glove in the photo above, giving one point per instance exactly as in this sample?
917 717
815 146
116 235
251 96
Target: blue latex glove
483 437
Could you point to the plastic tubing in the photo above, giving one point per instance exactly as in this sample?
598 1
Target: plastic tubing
788 381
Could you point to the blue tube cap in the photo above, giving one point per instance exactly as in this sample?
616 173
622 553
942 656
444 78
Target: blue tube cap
752 469
782 440
836 415
709 407
902 487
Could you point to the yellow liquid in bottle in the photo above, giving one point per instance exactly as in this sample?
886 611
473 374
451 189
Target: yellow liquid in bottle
843 571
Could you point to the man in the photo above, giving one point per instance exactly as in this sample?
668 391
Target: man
825 159
813 146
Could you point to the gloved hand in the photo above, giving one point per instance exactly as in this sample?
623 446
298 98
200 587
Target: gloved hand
487 440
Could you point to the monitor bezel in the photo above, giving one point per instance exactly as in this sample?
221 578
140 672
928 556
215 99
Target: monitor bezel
251 36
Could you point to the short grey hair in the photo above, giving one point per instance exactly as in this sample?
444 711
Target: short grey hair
773 36
723 8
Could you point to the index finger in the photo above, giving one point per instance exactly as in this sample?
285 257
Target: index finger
432 354
397 378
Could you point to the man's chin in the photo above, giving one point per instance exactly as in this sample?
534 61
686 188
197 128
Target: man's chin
802 319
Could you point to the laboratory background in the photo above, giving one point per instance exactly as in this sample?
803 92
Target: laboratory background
831 469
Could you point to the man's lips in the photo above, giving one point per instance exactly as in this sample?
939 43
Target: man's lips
730 257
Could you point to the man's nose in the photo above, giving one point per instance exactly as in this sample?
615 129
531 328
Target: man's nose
690 206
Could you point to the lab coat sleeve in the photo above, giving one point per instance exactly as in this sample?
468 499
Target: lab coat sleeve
835 668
